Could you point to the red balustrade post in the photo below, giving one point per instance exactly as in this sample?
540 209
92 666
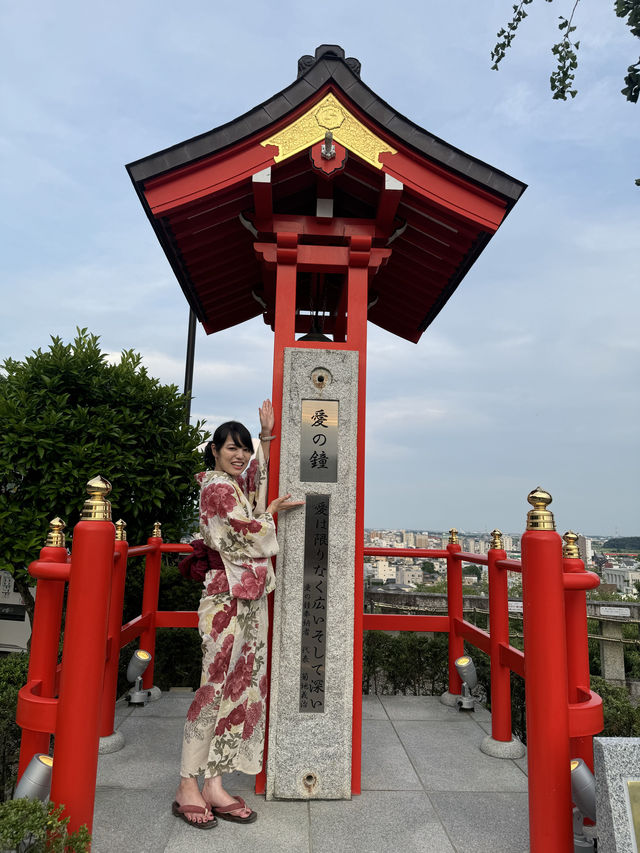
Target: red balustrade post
118 577
150 593
455 611
45 637
579 681
499 632
83 659
546 699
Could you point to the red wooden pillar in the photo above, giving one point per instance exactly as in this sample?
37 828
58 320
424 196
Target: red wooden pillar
357 296
113 641
579 680
284 335
45 637
500 674
83 662
546 698
455 606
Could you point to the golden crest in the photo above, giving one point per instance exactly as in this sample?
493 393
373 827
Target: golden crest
331 115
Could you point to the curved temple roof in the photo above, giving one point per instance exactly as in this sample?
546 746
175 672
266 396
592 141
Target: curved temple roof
209 198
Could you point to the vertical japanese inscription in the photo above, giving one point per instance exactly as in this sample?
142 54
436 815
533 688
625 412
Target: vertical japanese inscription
319 441
314 604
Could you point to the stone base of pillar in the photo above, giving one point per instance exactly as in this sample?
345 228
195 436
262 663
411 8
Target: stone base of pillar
502 748
111 743
450 699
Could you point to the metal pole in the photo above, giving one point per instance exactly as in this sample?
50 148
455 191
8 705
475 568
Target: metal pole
188 368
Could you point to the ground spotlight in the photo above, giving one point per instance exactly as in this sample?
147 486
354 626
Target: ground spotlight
467 672
35 782
140 660
583 794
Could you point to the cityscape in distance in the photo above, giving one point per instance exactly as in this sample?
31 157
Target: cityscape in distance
619 569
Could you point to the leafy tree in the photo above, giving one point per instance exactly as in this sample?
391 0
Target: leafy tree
428 567
621 718
69 414
622 543
39 827
565 51
13 674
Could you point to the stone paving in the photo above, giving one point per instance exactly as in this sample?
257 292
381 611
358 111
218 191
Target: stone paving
426 787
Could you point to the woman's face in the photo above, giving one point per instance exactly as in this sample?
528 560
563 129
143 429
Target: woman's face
232 458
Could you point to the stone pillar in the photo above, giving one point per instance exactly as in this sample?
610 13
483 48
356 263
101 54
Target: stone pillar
612 654
309 727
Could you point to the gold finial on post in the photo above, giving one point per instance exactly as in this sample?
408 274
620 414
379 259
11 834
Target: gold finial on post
121 530
157 530
453 536
97 507
55 536
496 539
570 547
540 518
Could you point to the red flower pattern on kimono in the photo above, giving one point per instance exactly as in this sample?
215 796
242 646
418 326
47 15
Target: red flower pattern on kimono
245 527
239 679
252 718
263 686
222 618
218 583
251 585
217 499
203 697
218 669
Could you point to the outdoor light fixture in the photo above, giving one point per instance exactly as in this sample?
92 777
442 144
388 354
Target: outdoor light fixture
467 672
35 782
140 660
583 794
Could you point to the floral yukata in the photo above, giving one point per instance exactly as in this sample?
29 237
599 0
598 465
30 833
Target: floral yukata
224 730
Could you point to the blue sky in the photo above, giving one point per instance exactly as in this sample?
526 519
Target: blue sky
530 374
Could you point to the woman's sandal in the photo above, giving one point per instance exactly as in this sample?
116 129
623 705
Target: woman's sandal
182 811
227 812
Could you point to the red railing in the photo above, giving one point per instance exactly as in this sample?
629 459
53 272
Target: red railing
76 700
562 712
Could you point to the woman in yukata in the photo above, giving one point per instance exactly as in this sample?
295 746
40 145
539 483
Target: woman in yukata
224 730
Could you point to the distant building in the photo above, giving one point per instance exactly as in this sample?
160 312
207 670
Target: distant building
406 575
382 570
623 577
585 550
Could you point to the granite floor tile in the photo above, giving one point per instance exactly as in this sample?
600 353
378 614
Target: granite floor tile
376 822
281 827
447 757
138 822
478 822
385 765
426 708
372 708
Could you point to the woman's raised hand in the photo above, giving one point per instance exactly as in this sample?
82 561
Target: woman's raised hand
267 418
282 504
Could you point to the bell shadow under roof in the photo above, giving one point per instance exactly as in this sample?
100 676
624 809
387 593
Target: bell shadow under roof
203 201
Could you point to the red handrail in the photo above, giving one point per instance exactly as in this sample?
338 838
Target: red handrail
563 713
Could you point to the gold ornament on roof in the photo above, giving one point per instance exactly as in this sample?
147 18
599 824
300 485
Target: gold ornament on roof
331 115
55 536
97 507
540 518
453 536
121 530
496 538
570 547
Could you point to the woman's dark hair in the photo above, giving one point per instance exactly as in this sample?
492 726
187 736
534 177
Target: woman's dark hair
238 432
